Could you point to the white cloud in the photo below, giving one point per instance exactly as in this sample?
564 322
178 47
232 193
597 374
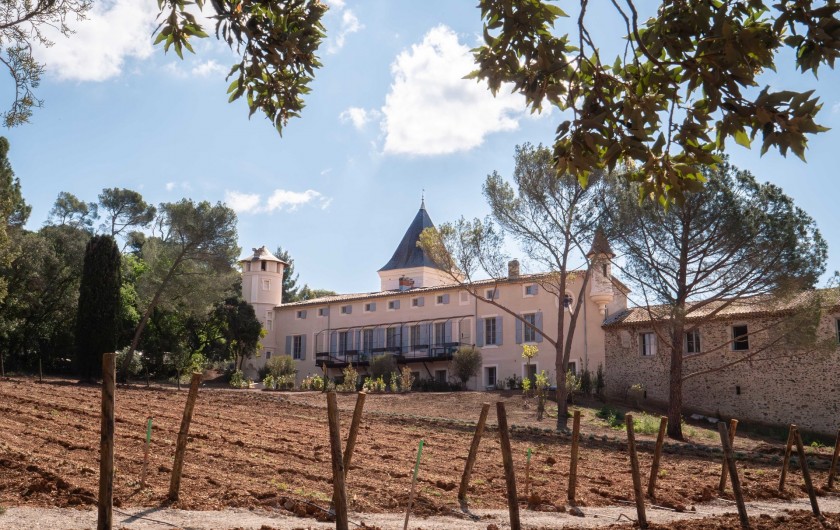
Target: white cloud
208 68
432 110
359 117
349 24
335 4
242 202
170 186
279 200
112 32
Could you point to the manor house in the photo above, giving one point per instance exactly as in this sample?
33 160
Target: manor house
421 316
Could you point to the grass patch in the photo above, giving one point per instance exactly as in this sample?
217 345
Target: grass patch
643 423
2 510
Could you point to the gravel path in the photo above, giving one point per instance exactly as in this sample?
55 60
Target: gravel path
157 518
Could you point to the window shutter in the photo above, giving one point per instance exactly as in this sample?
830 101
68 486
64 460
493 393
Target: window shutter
499 331
424 333
302 347
479 332
518 331
396 304
373 306
405 338
538 321
379 338
447 331
349 309
333 343
288 344
358 339
446 299
420 301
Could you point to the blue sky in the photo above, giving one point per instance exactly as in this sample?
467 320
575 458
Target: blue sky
389 116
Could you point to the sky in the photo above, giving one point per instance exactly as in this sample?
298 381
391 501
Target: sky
389 120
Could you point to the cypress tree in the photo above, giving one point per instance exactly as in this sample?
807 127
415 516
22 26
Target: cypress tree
97 319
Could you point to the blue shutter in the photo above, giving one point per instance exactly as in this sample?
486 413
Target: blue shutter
396 304
539 322
302 347
373 306
518 331
303 314
420 302
333 343
446 299
379 338
288 344
405 338
349 309
424 333
479 332
499 331
358 340
447 331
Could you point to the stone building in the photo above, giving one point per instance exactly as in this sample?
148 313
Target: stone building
782 380
421 317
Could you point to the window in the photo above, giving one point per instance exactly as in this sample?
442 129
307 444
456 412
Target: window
440 376
393 304
740 338
529 329
268 324
530 371
297 347
266 285
262 265
491 294
370 307
442 299
568 301
414 335
572 366
367 340
346 309
463 297
489 331
440 333
301 314
342 341
417 302
391 337
647 342
531 289
692 341
267 355
323 311
490 376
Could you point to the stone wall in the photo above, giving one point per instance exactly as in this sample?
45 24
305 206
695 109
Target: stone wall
778 386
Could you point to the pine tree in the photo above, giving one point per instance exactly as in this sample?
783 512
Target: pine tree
290 288
97 319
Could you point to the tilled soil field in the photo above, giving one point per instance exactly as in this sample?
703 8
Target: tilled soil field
259 449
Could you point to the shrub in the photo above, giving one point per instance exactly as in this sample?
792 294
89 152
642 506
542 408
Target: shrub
541 386
312 382
586 382
406 379
382 366
599 382
466 363
136 365
284 382
513 382
268 382
281 365
433 385
395 382
572 385
351 380
238 380
526 386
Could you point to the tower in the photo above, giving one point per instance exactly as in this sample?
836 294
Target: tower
410 266
262 282
601 290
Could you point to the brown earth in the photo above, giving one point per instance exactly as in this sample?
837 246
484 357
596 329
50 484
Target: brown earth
799 520
260 449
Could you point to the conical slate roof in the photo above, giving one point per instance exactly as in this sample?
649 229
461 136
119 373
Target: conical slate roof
262 254
600 245
408 254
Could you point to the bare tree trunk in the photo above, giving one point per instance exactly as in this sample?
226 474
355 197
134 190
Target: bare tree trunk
562 395
675 396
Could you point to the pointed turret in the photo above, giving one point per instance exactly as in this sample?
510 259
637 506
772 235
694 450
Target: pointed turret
410 266
601 291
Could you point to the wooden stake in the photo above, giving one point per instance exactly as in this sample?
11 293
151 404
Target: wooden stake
806 475
574 462
479 430
528 473
833 469
733 426
634 469
507 460
729 458
146 451
183 433
354 430
105 516
657 455
413 484
786 461
40 371
339 493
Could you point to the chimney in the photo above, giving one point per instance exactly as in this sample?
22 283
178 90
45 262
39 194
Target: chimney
406 283
513 269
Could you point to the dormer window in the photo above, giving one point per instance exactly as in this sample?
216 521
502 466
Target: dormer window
417 302
346 309
370 307
393 304
323 311
263 265
301 314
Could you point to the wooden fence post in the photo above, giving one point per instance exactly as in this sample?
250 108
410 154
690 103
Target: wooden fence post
634 469
574 462
339 493
479 430
733 426
729 458
657 455
786 461
106 444
833 469
146 451
183 433
806 475
507 460
354 430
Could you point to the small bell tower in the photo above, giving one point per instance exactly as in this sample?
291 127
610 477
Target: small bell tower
600 264
262 280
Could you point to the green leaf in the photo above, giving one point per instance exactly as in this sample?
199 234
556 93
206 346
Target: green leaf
741 138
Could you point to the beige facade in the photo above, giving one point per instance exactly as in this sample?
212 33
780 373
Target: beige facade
776 386
421 320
